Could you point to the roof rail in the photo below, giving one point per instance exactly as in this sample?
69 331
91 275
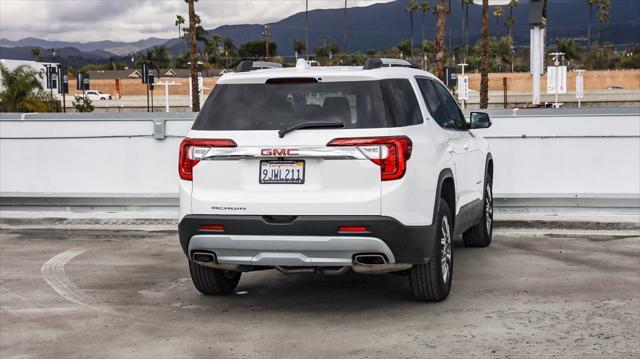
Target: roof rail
249 65
377 62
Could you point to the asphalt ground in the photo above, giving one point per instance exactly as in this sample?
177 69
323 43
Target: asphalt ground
127 294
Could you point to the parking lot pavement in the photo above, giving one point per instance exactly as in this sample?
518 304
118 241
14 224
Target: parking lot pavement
122 294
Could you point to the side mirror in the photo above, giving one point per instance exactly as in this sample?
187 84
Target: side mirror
480 120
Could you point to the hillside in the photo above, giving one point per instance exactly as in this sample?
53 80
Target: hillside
377 26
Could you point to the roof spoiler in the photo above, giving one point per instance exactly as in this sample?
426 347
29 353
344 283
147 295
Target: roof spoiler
377 62
249 65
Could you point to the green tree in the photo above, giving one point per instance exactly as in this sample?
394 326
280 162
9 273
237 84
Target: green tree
182 61
229 45
405 47
256 49
429 50
212 49
83 104
322 52
298 47
158 55
35 53
230 50
411 8
22 91
571 48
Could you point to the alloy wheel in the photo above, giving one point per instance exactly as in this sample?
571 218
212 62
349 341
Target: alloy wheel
445 248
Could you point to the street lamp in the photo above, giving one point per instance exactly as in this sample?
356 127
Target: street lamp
266 32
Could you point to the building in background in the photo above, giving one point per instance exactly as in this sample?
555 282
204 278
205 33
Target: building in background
40 67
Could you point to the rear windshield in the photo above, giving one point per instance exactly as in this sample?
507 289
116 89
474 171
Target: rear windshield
357 104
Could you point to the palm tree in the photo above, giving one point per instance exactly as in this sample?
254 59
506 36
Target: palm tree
484 71
465 27
298 47
411 8
425 8
229 49
21 90
498 12
571 49
591 4
306 27
179 22
441 24
160 57
212 48
511 21
603 14
193 56
429 50
345 27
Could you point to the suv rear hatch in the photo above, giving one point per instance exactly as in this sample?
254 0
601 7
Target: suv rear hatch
240 164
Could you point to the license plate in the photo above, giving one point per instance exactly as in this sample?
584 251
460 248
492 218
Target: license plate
281 172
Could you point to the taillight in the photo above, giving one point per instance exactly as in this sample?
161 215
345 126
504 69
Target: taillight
213 227
193 149
390 153
352 229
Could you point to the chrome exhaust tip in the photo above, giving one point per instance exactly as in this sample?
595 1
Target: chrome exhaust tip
203 257
376 263
369 259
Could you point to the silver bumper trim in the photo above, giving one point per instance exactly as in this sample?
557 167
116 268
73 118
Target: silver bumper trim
287 250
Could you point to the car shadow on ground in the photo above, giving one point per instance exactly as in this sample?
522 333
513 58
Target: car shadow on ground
309 292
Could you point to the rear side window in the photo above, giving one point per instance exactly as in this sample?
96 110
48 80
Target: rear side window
401 103
271 106
441 105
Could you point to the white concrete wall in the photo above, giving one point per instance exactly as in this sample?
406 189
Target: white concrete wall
537 153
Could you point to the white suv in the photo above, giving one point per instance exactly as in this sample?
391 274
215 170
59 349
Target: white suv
328 169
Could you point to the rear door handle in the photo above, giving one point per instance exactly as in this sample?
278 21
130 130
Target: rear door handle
466 147
450 149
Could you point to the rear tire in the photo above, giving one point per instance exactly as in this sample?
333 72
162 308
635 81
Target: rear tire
211 281
480 235
431 282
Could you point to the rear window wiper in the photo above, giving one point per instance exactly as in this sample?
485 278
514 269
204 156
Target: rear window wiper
314 124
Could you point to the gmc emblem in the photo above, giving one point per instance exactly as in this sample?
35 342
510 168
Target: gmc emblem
279 152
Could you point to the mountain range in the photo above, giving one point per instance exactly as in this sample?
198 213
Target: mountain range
372 27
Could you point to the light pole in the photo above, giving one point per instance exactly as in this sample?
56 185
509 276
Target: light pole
266 33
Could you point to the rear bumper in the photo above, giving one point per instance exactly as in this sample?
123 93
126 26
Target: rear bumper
304 240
